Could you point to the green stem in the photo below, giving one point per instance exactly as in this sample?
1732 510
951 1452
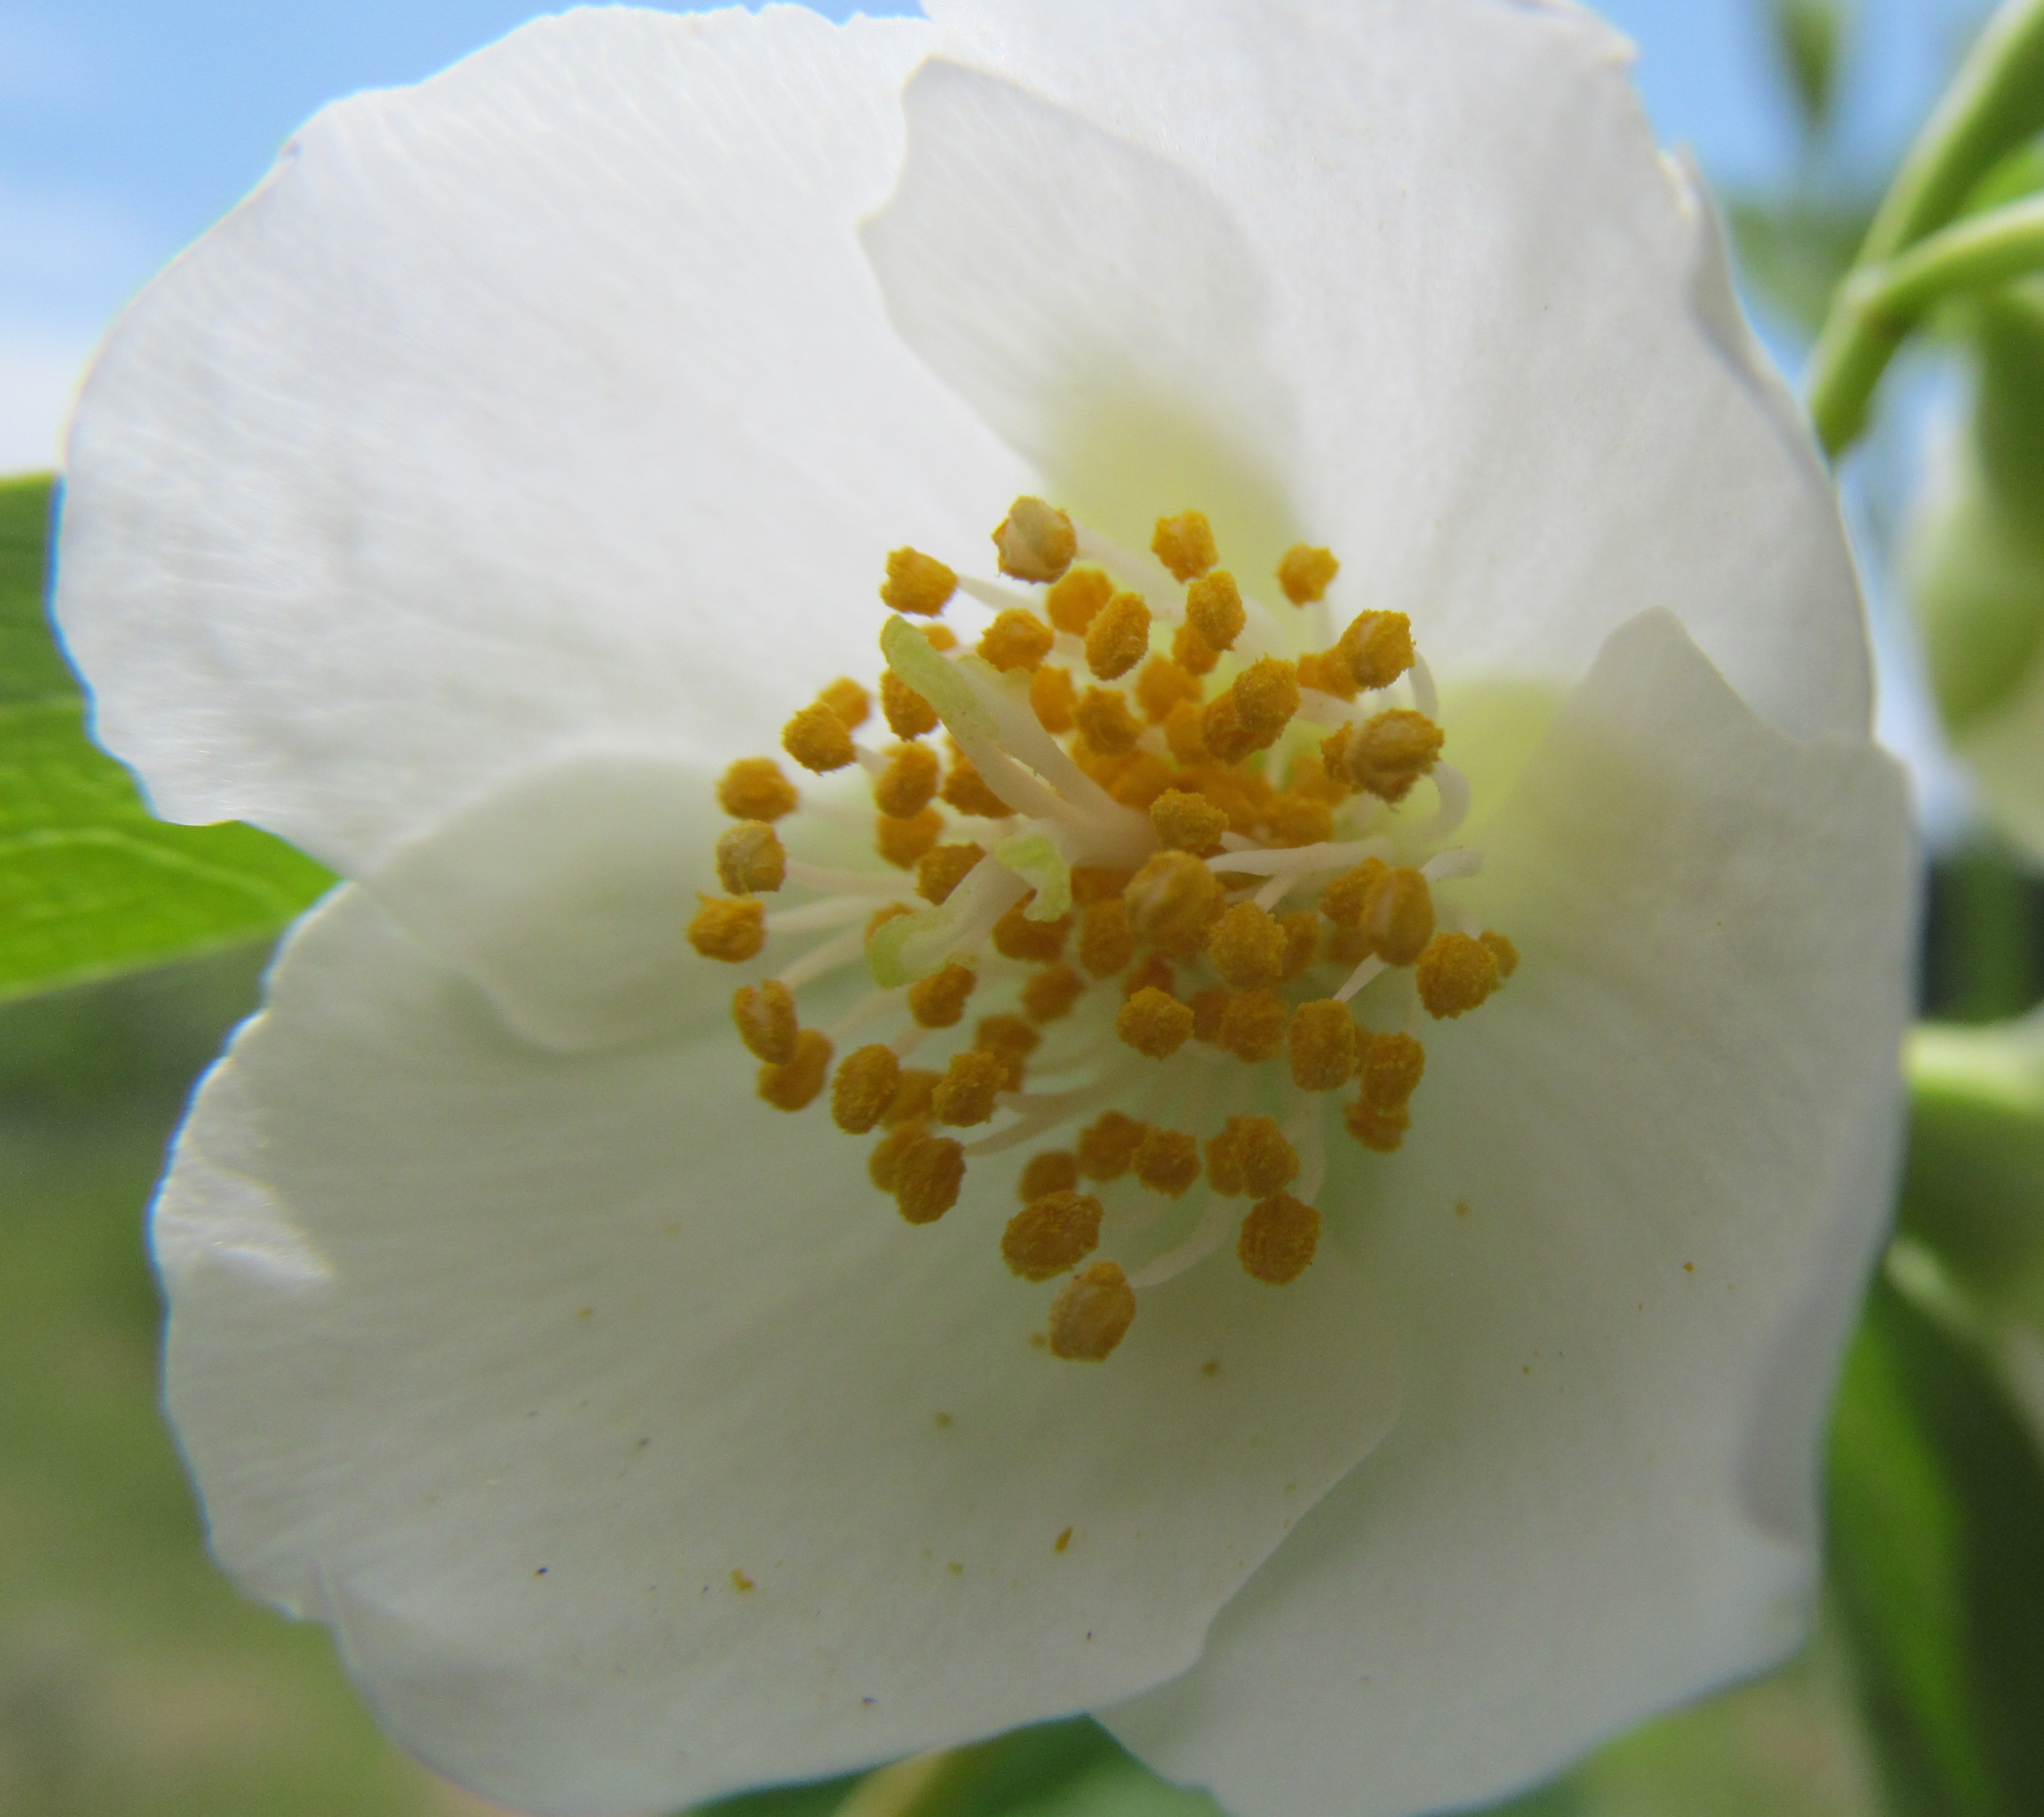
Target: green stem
1995 102
917 1787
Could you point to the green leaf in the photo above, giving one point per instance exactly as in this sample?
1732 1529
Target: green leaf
1795 253
1808 35
91 882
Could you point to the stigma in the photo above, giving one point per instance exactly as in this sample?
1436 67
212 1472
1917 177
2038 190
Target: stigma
1152 911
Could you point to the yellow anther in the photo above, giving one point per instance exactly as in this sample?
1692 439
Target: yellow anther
1380 1130
1051 992
1106 942
1016 639
1329 671
917 583
864 1087
1056 1232
1302 941
1093 883
1224 1160
732 930
1187 822
1399 916
909 783
1390 1070
794 1085
1267 695
1456 974
927 1175
1323 1043
1185 544
908 714
1377 648
943 868
1153 973
1221 730
1252 1027
1215 611
754 789
1278 1238
1161 684
1140 780
1343 901
1247 948
1092 1314
913 1091
1105 723
1311 781
1051 696
1054 1170
966 790
750 858
1209 1007
1191 651
1075 601
903 844
880 916
850 701
1119 637
1306 573
941 637
1153 1023
765 1015
939 1001
1387 754
1502 950
1034 942
1005 1034
1168 1161
1035 541
817 739
882 1163
1299 820
1183 736
1172 899
1107 1147
1349 946
965 1095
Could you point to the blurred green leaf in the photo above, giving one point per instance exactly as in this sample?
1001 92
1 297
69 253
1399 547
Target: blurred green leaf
91 881
1794 253
1808 35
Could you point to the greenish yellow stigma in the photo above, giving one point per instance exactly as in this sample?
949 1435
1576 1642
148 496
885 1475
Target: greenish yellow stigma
1160 858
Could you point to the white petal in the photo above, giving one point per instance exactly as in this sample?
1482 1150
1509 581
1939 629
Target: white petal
1673 1132
1524 409
551 398
450 1312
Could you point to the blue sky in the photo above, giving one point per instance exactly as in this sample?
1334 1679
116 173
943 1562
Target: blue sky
126 126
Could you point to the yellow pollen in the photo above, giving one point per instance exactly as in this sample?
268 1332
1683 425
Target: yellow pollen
939 1001
1107 1147
917 583
863 1089
1247 948
1311 780
1221 730
794 1086
1054 1170
1266 696
966 790
732 930
1119 637
1051 993
750 857
765 1015
1034 942
1324 1042
1075 601
1266 1159
1057 1232
903 844
1306 573
1153 973
908 714
1140 780
1399 916
1215 612
1185 544
1252 1026
943 868
927 1174
1191 651
912 1095
1035 541
1502 950
1182 734
1171 899
1377 648
1278 1238
1302 941
1329 672
1186 822
1093 883
1106 942
965 1095
909 783
1298 820
1092 1314
880 916
850 701
1386 755
1051 696
1380 1130
1005 1034
754 789
1390 1070
941 637
1344 899
1153 1023
817 739
1105 723
1456 974
1016 639
1161 684
884 1163
1168 1161
1209 1006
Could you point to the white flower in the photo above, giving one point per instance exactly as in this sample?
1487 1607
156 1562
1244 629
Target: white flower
528 447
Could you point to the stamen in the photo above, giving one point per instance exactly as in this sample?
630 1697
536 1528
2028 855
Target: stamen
754 789
1050 995
1323 1044
1172 899
1035 541
1168 1161
1305 574
1052 697
908 714
965 1095
1105 723
917 583
1377 648
1056 1232
1092 1314
1214 612
794 1085
906 843
765 1014
928 1173
1391 1069
730 930
1076 601
1154 1023
750 857
851 702
909 784
1278 1238
939 1001
1456 974
1119 637
863 1089
1252 1026
1107 1148
818 739
943 868
1185 544
1386 755
1016 639
1054 1170
1247 948
1162 684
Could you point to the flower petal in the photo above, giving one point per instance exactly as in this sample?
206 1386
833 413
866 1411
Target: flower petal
1625 1239
636 1448
1524 409
550 398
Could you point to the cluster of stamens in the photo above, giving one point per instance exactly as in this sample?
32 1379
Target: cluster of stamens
1166 896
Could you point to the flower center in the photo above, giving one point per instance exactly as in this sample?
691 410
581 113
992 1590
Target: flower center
1167 900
